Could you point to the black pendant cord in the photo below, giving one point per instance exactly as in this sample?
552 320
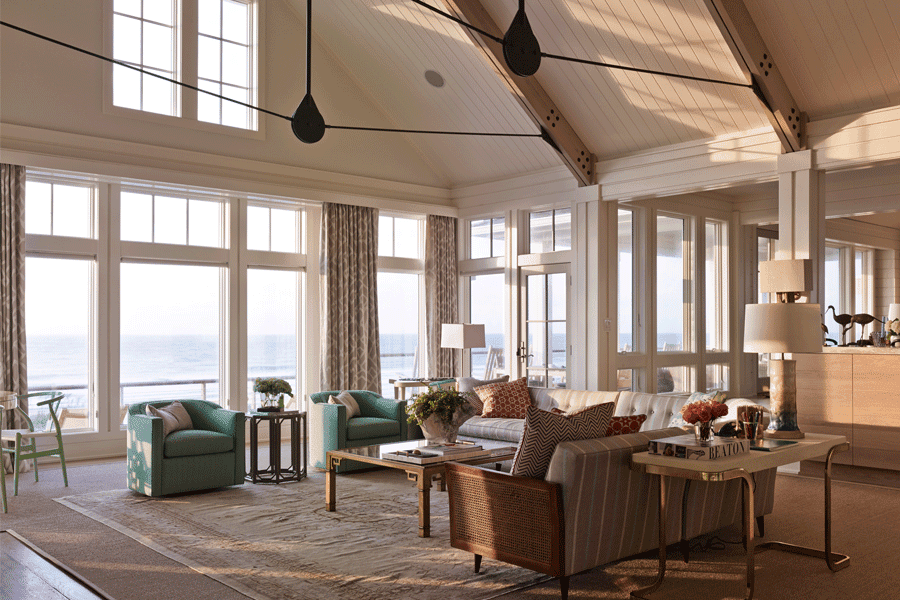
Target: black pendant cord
458 21
473 133
595 63
309 47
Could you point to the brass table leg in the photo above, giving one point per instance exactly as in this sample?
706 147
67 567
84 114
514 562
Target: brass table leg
661 572
331 483
747 489
424 486
834 560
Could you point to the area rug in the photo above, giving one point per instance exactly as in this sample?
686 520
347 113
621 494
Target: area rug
279 542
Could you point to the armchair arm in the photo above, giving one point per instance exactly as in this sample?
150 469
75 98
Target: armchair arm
231 422
515 519
327 430
145 453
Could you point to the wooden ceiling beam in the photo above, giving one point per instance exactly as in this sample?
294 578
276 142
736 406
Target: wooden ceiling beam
755 60
527 90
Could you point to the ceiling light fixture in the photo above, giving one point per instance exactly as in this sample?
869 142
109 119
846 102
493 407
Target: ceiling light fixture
304 121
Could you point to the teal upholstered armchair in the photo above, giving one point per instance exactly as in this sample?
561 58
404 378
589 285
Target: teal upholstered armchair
209 456
382 421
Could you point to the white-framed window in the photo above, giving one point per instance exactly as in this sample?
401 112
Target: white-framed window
209 44
487 237
145 36
172 219
401 315
486 294
849 289
550 230
61 296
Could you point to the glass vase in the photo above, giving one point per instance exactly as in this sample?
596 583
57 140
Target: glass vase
704 433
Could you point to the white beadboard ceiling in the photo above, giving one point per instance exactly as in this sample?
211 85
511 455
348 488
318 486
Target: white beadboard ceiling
837 57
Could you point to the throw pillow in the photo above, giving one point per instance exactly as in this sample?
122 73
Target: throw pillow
544 430
347 400
467 385
175 417
617 425
505 400
715 396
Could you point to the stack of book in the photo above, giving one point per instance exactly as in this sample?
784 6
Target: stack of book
434 453
686 446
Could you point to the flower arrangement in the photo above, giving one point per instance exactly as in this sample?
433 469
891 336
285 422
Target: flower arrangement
703 411
892 327
442 403
272 386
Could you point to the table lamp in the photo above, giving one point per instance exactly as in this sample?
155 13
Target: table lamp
893 312
462 335
783 327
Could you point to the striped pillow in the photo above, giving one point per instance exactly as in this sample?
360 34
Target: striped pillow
544 430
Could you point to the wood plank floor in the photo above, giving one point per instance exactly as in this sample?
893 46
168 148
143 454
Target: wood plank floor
25 574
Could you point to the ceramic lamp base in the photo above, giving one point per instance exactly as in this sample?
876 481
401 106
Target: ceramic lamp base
783 400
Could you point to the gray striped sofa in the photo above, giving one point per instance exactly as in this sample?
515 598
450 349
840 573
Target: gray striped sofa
591 508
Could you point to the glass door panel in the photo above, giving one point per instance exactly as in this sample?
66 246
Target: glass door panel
544 352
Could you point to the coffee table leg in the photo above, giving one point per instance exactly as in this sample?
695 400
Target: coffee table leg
330 483
661 572
424 485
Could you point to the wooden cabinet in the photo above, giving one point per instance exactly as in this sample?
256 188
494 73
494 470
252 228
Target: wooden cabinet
853 392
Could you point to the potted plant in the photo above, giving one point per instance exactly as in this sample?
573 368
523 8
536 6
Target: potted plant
440 413
273 391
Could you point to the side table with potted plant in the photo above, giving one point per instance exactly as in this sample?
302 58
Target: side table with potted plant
271 409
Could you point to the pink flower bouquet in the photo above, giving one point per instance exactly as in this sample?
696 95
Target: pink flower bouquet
703 411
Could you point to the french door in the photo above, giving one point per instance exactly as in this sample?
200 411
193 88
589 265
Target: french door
544 351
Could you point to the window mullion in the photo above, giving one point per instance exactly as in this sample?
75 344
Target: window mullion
186 56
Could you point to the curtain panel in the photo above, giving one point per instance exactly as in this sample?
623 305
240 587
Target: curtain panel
13 359
351 350
441 292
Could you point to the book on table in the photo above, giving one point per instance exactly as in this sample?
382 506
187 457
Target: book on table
447 448
770 445
686 446
421 457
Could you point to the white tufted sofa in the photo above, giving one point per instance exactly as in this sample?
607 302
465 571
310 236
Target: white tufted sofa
659 408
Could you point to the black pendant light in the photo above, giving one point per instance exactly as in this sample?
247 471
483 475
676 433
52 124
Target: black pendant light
520 46
307 122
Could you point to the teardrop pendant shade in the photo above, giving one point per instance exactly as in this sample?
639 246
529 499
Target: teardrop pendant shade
307 122
520 47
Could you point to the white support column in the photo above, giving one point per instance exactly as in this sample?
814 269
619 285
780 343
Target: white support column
592 290
801 215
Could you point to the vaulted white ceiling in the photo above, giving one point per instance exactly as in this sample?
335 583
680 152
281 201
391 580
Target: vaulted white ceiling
836 56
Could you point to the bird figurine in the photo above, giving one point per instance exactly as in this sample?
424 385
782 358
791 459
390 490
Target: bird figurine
843 320
863 319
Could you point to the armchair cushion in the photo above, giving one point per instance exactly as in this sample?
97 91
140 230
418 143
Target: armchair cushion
347 400
362 428
194 442
174 416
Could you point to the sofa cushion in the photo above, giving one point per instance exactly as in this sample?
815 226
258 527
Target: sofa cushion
196 442
659 408
363 428
503 430
505 400
714 396
347 400
617 425
467 385
175 417
544 430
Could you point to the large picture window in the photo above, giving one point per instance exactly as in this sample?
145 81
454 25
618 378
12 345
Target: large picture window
486 307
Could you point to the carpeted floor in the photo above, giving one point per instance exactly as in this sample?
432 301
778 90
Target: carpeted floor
353 553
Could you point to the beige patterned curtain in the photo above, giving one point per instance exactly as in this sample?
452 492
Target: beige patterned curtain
13 373
351 351
441 293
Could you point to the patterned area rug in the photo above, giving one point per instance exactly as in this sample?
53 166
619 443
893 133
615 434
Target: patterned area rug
279 542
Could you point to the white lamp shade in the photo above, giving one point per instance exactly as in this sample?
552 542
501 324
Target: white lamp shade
785 275
782 327
894 312
462 335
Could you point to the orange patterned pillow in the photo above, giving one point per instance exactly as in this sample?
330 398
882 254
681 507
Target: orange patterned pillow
505 400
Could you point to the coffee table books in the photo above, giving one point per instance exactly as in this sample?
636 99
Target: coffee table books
686 446
450 448
420 456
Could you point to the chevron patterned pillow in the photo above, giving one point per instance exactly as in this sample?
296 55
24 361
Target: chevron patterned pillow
544 430
617 425
505 400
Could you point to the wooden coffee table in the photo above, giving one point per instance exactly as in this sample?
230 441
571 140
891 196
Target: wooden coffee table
421 474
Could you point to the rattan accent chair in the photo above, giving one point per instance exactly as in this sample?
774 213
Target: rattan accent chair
518 520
